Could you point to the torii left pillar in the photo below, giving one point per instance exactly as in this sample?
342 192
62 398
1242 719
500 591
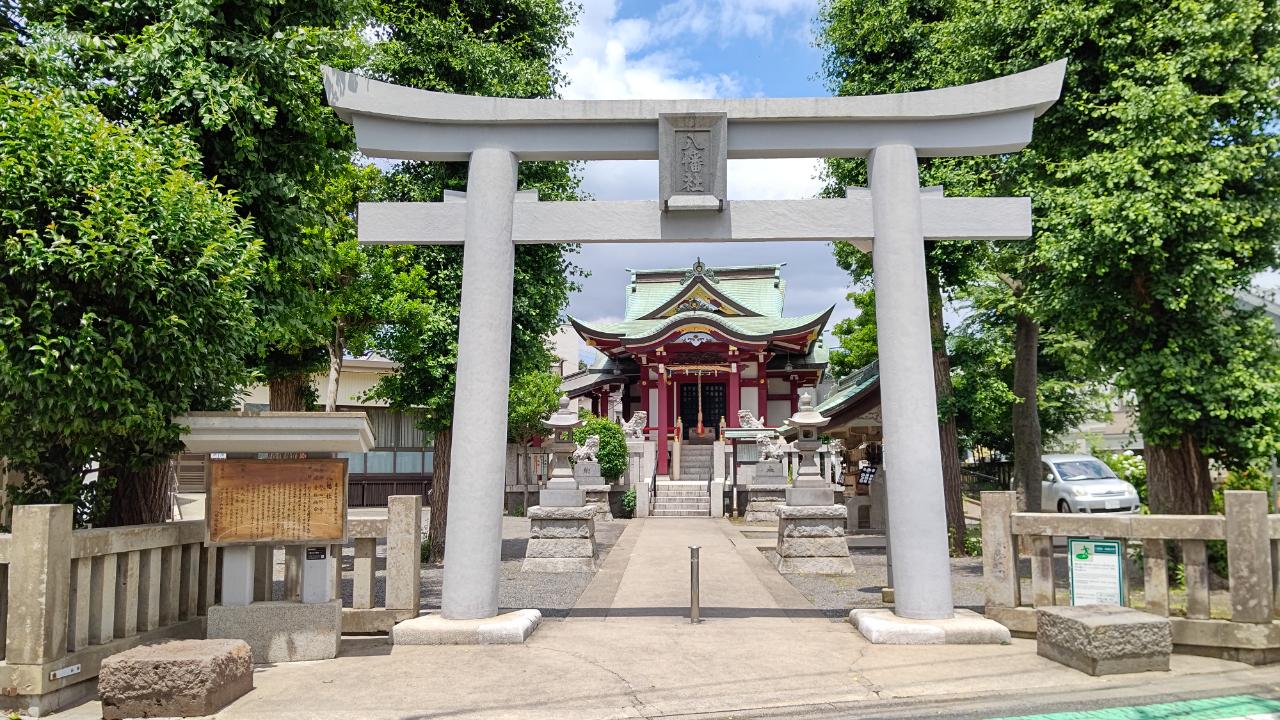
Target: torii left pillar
477 461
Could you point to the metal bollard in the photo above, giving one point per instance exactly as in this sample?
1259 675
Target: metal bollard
694 600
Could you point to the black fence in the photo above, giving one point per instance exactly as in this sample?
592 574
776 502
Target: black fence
373 490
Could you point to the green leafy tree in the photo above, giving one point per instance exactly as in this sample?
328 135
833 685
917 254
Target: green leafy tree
613 445
243 79
505 48
533 397
123 300
855 336
1156 193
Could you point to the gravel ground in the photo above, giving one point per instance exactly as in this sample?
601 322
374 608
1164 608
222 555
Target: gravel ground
835 595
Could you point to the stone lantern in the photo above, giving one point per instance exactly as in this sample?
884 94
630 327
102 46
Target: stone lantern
562 488
809 487
810 525
562 527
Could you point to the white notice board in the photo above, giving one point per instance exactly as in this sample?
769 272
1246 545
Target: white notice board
1097 571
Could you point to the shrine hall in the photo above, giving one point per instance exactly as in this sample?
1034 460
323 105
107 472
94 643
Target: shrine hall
696 346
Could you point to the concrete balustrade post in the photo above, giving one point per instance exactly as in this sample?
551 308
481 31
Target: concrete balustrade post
999 563
404 552
1249 556
912 452
473 540
40 573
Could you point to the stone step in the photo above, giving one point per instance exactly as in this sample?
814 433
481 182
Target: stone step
682 506
662 514
681 493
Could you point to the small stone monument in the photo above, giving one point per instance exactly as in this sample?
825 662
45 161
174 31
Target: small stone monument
561 525
810 525
768 485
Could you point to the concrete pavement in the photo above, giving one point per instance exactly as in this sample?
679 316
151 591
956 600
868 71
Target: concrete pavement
627 650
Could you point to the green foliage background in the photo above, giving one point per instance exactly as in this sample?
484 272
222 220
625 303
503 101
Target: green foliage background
124 280
613 445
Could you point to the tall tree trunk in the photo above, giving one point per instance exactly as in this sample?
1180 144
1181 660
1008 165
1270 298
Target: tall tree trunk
439 493
1027 440
289 393
947 436
1178 480
141 497
336 349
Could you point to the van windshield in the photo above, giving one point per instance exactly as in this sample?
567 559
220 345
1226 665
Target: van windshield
1084 470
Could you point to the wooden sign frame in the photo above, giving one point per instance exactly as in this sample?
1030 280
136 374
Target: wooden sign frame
276 487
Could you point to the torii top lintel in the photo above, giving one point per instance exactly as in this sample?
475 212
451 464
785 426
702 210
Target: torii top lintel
994 116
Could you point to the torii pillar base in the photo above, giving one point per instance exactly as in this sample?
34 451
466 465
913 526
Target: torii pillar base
965 627
510 628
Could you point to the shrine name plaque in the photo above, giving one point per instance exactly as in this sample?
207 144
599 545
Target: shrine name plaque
277 501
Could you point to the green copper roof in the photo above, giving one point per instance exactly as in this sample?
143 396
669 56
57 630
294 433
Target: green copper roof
849 387
763 295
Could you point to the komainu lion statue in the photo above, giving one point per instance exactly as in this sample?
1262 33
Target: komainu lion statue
586 452
747 420
771 448
634 428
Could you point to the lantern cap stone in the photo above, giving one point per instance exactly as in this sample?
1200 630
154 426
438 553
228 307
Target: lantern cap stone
806 416
564 418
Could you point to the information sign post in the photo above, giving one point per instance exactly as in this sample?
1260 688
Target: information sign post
1096 571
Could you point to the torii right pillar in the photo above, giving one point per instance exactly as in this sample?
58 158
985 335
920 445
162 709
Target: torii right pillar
909 407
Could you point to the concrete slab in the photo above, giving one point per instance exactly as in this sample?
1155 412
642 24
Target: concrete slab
280 631
882 627
504 629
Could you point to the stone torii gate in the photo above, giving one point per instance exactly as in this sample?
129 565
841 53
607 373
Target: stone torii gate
693 139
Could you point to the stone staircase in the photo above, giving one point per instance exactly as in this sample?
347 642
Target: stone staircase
681 499
686 497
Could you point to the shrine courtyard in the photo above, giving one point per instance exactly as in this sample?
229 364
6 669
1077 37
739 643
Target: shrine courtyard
618 644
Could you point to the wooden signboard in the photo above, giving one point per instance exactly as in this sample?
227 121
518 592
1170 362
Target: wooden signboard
277 501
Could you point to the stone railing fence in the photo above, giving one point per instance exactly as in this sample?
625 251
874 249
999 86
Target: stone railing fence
71 598
1241 626
402 587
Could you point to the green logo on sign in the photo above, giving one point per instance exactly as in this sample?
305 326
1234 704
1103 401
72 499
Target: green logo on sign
1084 553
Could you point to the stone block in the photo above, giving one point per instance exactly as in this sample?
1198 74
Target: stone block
560 547
281 631
769 473
177 678
561 497
1104 639
813 547
545 512
505 629
587 472
964 627
815 565
552 529
811 496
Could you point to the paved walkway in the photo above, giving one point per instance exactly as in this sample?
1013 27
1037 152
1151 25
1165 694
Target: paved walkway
627 650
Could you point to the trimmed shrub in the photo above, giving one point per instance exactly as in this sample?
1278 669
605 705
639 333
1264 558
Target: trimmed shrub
613 445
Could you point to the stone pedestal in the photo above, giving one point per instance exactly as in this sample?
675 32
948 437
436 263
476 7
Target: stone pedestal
811 540
178 678
763 502
509 628
597 496
769 472
281 631
561 539
964 627
1104 639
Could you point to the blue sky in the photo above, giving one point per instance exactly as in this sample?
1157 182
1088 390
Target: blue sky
700 49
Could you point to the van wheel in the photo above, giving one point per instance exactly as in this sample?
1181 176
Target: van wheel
1063 507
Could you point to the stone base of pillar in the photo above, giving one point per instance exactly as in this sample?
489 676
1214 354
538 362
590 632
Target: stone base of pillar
561 539
966 627
280 631
763 502
810 496
505 629
597 496
811 540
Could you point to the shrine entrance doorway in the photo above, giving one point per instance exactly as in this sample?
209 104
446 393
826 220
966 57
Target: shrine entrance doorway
708 399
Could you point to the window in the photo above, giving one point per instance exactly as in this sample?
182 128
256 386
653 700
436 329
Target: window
1084 470
400 446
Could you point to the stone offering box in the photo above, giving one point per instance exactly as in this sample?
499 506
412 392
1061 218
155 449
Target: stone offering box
1104 639
178 678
